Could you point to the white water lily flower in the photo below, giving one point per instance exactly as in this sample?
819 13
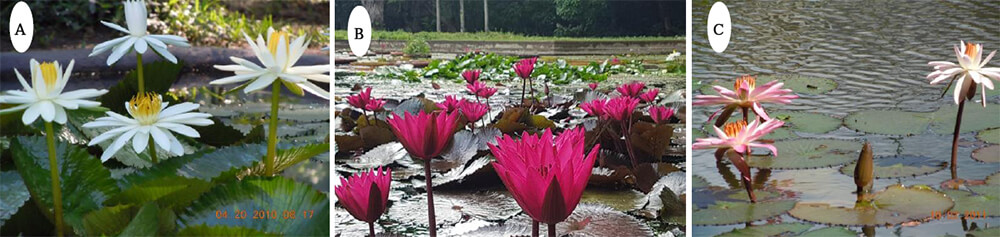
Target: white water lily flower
137 38
971 68
150 117
44 96
278 58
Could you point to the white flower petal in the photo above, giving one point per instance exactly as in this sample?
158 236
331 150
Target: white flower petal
180 129
115 26
178 109
315 90
160 137
60 115
117 144
260 83
235 79
47 110
120 50
140 46
165 53
175 146
140 139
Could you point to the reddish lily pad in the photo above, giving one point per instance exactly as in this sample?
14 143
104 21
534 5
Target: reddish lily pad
896 204
900 166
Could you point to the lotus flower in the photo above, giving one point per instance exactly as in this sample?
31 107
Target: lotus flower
44 96
152 120
739 137
971 68
471 76
365 195
650 95
361 99
473 111
450 103
631 89
525 67
621 108
660 114
374 104
595 107
593 85
546 176
747 96
481 90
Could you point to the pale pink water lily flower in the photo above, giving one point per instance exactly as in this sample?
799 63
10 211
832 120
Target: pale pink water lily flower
739 136
746 94
971 68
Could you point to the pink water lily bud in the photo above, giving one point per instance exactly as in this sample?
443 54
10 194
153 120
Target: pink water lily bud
631 89
524 67
374 104
660 114
361 99
480 89
365 194
593 85
473 111
621 108
424 135
471 76
450 103
650 95
545 175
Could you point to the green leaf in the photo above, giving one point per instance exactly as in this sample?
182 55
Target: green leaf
157 76
109 220
85 182
171 192
14 194
807 122
725 213
830 232
218 134
989 154
989 135
252 196
896 204
221 230
807 154
145 222
288 157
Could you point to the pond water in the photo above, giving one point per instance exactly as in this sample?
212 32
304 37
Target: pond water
877 53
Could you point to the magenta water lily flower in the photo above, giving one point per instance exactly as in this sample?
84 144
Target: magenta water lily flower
595 107
593 85
374 104
365 195
660 114
450 103
471 76
970 70
525 67
621 108
631 89
481 90
360 100
473 111
545 175
747 96
650 95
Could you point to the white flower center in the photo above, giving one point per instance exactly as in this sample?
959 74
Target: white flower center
145 108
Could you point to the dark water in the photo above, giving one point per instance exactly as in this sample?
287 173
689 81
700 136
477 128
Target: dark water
878 52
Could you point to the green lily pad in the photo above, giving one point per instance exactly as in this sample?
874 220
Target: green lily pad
830 232
727 213
992 231
14 194
698 182
989 135
900 166
807 122
968 202
990 154
799 84
783 229
896 204
807 154
974 118
782 133
888 122
272 200
698 133
621 200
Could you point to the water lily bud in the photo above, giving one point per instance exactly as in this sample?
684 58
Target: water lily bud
863 172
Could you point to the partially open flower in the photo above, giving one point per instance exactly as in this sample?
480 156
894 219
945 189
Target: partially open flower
650 95
471 76
365 195
746 94
971 68
595 107
473 111
374 104
621 108
450 103
481 90
44 96
361 99
424 135
593 85
525 67
660 114
631 89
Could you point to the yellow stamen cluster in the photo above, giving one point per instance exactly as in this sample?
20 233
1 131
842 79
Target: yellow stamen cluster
745 81
971 49
145 107
49 74
734 128
272 42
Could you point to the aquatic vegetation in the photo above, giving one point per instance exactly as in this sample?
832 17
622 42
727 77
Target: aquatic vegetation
494 67
896 204
152 120
365 195
807 153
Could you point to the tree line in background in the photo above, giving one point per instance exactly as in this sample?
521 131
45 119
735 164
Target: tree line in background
583 18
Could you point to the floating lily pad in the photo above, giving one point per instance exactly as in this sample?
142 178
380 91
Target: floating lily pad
698 182
888 122
784 229
896 204
621 200
830 232
382 155
452 208
989 135
782 133
798 84
663 199
500 231
989 154
807 154
900 166
807 122
968 202
14 194
974 118
727 213
592 220
992 231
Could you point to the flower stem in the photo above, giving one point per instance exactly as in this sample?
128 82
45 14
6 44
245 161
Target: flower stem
54 175
534 228
431 223
954 140
371 229
747 180
552 230
524 86
626 130
152 150
142 84
272 133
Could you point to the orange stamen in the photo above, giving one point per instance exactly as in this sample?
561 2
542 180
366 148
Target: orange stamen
734 128
971 49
